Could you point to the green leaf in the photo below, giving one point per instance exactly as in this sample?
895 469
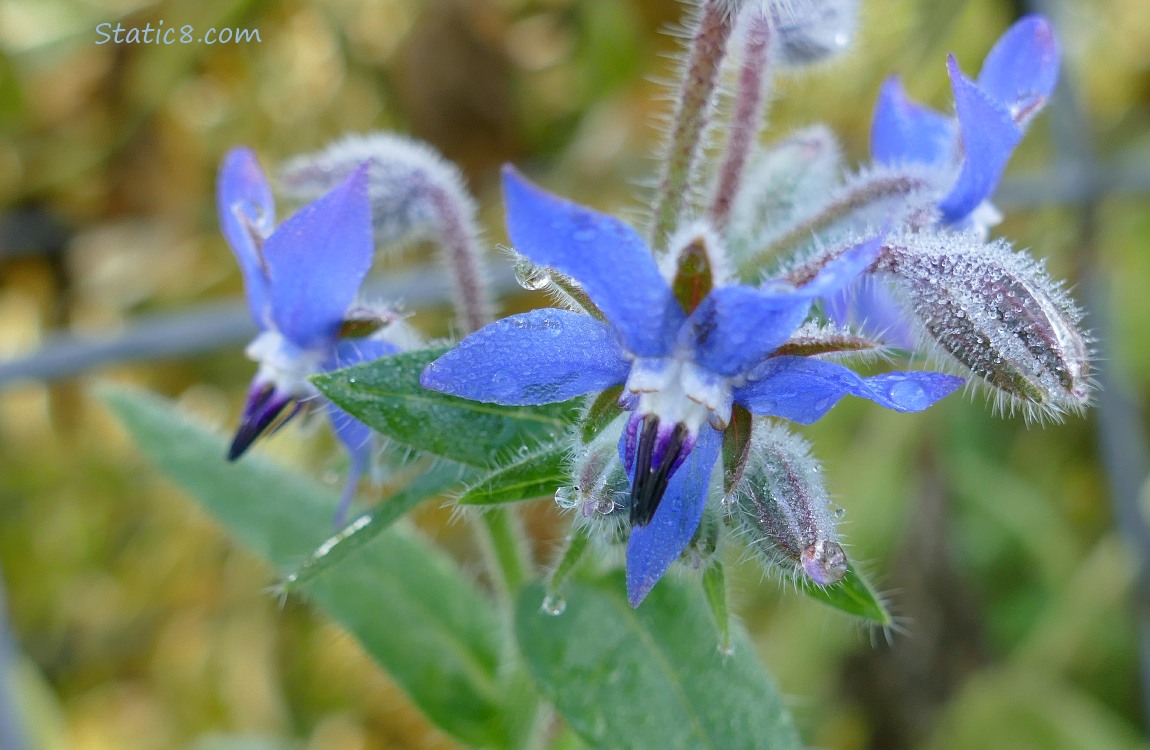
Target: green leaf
366 527
853 595
537 474
651 677
386 395
406 602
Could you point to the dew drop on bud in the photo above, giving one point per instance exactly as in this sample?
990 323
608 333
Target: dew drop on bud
530 276
553 605
566 497
783 510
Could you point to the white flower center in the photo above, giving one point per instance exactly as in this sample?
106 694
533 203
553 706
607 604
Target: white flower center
678 391
285 365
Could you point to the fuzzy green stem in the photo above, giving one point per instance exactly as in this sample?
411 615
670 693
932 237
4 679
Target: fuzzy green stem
746 121
504 545
695 101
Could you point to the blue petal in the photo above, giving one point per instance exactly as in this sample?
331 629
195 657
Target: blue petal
802 389
989 136
844 269
247 211
735 327
317 260
652 548
356 438
1022 69
355 435
904 131
868 306
539 357
604 255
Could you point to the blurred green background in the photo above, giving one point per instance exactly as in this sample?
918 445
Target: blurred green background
141 626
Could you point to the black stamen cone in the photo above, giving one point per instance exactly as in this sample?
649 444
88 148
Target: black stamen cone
651 480
259 415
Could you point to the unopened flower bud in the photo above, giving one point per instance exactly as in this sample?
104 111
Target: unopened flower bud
811 31
997 313
782 507
416 195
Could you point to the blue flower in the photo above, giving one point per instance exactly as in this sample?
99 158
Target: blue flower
301 278
682 373
968 154
1017 78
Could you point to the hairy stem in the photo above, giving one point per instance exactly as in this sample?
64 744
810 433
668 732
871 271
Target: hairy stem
694 104
504 545
747 119
459 237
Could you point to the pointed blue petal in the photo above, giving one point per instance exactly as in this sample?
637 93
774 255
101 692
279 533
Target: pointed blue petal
867 305
355 435
652 548
356 438
539 357
840 272
989 136
735 327
317 260
903 131
802 389
604 255
1022 69
247 211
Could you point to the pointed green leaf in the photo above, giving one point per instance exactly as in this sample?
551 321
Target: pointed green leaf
433 482
853 595
536 474
406 602
386 395
651 677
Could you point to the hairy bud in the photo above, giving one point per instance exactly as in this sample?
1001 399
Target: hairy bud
810 31
781 181
416 195
998 314
782 508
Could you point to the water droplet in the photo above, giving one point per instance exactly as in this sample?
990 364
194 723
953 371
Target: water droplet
909 395
523 449
566 497
531 276
553 605
840 512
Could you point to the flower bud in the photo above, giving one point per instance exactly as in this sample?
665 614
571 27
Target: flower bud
782 508
811 31
780 182
998 314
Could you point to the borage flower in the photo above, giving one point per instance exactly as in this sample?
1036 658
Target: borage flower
682 370
966 154
1017 78
301 279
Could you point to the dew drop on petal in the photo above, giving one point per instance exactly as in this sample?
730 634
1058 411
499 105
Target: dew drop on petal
909 394
553 605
